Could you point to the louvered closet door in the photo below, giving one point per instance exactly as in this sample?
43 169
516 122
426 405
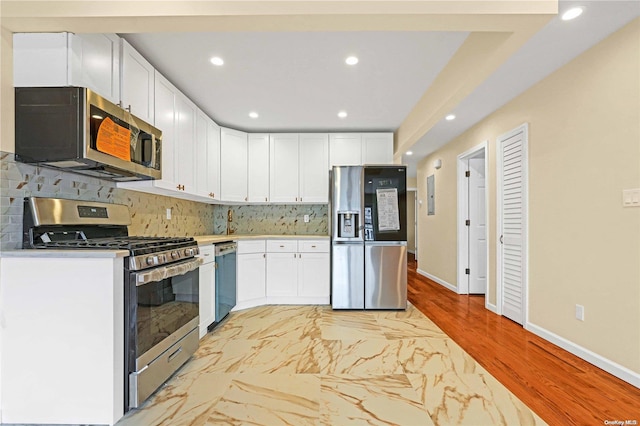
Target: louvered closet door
512 244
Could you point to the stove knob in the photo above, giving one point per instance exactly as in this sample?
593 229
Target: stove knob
149 260
188 252
174 255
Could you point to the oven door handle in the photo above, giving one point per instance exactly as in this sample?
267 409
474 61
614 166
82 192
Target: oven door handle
159 274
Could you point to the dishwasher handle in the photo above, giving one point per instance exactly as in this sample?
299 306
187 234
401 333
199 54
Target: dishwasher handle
226 248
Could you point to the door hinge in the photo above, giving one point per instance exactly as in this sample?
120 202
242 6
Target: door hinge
467 271
467 222
467 173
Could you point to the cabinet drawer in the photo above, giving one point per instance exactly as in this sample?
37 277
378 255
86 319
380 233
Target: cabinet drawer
282 246
313 246
208 253
251 246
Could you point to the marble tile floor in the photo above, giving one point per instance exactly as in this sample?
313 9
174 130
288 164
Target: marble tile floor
310 365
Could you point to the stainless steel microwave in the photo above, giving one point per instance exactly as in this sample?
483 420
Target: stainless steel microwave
77 130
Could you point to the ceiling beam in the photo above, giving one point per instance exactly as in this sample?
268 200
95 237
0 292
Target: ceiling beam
478 57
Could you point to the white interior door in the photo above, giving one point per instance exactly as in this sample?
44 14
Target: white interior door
512 229
477 227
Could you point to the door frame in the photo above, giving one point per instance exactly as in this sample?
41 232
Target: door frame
415 212
524 128
463 207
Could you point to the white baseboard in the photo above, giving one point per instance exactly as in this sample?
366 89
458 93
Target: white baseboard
412 251
599 361
490 306
438 280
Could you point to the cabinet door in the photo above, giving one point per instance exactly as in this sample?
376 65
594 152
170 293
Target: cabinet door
377 148
32 50
313 275
233 165
258 167
207 277
201 154
99 63
165 111
282 274
137 83
314 165
345 149
185 141
213 160
251 276
284 168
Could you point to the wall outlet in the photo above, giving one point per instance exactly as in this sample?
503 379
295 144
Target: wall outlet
580 312
306 218
169 214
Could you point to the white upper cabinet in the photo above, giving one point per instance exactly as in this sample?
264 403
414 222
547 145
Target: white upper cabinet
207 153
185 143
137 83
345 149
313 164
166 116
201 153
353 149
233 165
66 59
284 168
377 148
213 160
258 168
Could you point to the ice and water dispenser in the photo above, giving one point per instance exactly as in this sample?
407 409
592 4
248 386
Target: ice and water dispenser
348 224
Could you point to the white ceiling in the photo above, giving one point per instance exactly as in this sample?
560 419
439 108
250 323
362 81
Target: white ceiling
299 81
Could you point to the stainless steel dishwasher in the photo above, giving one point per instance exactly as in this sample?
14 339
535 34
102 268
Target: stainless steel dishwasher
225 281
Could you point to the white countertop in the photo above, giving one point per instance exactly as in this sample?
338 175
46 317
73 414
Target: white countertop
54 253
213 239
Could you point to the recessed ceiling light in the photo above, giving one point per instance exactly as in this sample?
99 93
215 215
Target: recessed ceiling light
253 114
409 152
342 114
217 61
450 117
572 13
351 60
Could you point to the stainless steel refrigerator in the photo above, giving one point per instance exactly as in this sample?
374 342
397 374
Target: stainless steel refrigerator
368 237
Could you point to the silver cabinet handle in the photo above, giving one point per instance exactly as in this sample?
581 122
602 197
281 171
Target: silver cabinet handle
175 354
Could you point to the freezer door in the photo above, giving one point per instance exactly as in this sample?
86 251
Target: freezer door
385 275
347 276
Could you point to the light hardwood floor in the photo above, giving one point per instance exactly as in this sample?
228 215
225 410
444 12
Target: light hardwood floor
560 387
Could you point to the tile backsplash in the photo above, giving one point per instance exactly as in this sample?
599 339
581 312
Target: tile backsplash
148 211
276 219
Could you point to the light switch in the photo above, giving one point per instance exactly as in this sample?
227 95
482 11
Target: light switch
169 213
631 197
306 218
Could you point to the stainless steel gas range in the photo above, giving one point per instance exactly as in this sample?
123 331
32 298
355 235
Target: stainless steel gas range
161 284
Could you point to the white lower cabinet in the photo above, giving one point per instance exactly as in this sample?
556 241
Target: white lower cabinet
251 261
207 288
298 272
283 271
282 268
313 275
